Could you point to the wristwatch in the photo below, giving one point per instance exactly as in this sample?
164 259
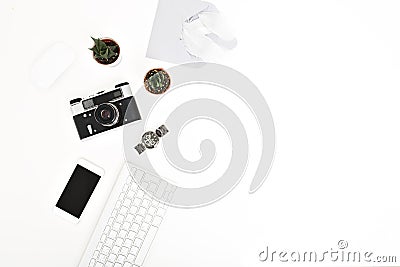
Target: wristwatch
151 139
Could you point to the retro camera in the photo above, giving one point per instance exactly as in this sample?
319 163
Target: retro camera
104 111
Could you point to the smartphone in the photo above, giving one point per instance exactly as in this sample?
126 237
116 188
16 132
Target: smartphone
78 190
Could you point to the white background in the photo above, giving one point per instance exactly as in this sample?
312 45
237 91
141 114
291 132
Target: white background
329 71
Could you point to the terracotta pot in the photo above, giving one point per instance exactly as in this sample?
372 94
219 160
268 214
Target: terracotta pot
114 61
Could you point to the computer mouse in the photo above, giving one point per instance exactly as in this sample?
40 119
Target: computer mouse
49 66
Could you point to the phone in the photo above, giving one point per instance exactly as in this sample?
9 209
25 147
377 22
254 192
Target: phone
78 190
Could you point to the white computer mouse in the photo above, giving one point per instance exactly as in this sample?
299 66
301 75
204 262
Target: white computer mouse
49 66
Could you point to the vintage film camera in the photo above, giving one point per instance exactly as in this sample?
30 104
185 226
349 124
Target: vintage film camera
104 111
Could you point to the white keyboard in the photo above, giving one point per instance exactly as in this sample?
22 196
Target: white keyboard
128 224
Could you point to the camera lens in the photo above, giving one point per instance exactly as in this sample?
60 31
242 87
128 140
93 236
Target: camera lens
106 114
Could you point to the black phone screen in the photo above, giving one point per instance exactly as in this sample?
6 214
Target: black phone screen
78 190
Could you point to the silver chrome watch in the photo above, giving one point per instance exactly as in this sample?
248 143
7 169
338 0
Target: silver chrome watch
151 139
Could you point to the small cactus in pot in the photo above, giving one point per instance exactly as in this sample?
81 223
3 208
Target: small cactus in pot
157 81
105 50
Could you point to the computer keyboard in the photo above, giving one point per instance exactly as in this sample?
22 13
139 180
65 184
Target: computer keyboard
129 222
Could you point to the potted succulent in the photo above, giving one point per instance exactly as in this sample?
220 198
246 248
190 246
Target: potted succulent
106 51
157 81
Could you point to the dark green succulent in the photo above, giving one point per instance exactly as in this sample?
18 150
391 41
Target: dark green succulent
102 51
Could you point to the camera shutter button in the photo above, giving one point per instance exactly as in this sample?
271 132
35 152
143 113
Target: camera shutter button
75 101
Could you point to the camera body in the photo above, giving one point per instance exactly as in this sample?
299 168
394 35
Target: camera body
104 111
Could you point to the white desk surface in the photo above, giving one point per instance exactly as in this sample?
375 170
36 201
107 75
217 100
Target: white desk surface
328 69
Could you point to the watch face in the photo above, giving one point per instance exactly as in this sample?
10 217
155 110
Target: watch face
157 81
150 139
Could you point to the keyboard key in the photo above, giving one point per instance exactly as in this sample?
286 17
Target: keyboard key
99 246
107 229
140 194
170 196
102 258
138 242
162 206
126 226
109 264
122 234
146 204
130 195
93 262
106 250
120 218
148 197
145 227
131 235
116 249
96 254
124 251
139 219
137 202
165 195
157 221
119 242
116 226
130 258
152 211
133 210
134 250
141 234
127 203
99 264
142 212
152 187
125 188
117 265
111 221
135 227
121 197
113 234
109 242
148 218
103 238
120 259
112 257
139 175
128 243
134 187
161 212
118 204
155 203
114 213
123 210
144 185
127 264
129 218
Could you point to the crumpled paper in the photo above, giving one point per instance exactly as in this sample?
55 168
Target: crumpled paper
187 31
